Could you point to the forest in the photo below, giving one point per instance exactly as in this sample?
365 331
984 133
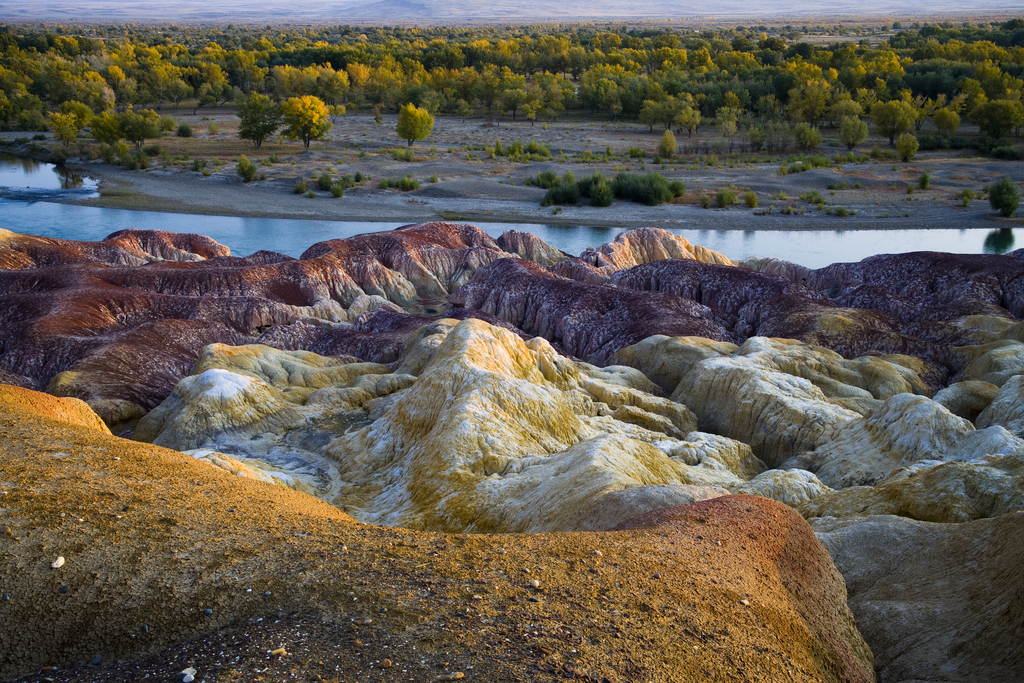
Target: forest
764 87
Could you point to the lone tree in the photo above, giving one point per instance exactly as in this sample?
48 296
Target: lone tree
906 146
1003 197
306 118
892 118
260 118
65 127
852 131
946 120
414 123
137 126
667 147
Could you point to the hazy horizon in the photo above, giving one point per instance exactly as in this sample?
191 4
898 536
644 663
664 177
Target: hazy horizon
495 11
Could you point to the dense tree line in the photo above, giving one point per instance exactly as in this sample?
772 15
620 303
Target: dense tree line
759 84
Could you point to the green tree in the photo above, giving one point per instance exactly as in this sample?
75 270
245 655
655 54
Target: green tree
906 146
260 117
667 147
807 137
1003 196
852 131
106 129
138 126
306 118
946 120
414 123
688 118
81 111
997 117
65 127
892 118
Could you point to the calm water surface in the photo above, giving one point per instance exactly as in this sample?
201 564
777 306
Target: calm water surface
26 185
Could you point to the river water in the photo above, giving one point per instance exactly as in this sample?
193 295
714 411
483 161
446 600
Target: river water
28 190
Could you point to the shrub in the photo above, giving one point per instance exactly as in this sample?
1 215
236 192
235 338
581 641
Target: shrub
1003 197
725 198
750 199
310 194
601 193
566 192
325 181
407 184
274 159
359 177
842 211
300 187
906 146
667 146
107 153
1008 153
337 189
925 180
812 197
152 150
433 178
705 201
677 188
184 131
246 169
648 188
198 164
544 180
214 129
38 136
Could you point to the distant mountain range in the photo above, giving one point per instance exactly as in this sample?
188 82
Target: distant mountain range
467 11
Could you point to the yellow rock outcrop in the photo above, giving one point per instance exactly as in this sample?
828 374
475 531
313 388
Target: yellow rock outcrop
476 430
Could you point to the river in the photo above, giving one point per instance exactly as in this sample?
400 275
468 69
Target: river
30 190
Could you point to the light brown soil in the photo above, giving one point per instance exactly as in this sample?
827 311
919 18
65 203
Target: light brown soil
152 538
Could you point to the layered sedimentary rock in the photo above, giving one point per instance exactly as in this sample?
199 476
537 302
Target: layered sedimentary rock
783 397
589 321
476 430
936 601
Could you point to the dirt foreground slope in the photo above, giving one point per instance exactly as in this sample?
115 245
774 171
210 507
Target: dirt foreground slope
160 549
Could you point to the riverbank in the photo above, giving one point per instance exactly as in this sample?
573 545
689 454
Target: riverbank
459 181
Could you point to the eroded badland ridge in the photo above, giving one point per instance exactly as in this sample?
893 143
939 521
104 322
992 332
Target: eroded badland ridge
269 452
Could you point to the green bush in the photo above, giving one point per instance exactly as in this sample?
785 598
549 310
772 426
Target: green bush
385 184
274 159
433 178
166 124
925 180
198 164
184 131
359 177
906 146
337 189
637 153
107 154
407 184
300 187
566 192
325 181
725 198
677 188
544 180
246 169
152 150
750 199
812 197
648 188
310 194
1003 197
705 201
